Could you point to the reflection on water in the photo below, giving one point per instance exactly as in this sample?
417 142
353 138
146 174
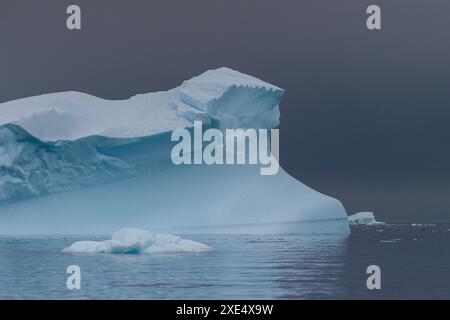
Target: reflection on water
309 267
413 260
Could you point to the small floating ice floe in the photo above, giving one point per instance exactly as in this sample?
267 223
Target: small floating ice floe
136 241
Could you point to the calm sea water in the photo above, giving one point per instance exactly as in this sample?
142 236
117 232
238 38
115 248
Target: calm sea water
414 262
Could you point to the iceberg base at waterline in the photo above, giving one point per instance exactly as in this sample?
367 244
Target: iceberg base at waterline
136 241
184 200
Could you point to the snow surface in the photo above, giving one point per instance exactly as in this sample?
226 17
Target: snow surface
136 241
230 97
363 218
74 163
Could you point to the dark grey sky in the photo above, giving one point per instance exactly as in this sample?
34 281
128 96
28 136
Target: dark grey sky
366 115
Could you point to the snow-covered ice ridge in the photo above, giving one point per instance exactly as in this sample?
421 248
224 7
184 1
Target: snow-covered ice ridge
74 163
136 241
230 97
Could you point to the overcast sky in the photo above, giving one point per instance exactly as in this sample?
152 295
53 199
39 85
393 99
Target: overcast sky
366 115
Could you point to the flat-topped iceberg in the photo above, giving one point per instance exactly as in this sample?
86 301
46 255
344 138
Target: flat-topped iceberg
136 241
74 163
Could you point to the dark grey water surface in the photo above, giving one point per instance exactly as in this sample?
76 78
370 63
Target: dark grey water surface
414 262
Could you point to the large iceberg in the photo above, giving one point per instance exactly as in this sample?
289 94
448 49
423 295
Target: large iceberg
74 163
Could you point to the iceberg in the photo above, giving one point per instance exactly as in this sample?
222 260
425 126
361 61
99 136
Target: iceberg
72 163
364 218
136 241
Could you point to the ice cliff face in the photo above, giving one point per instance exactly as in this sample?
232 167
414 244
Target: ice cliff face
225 95
74 163
30 167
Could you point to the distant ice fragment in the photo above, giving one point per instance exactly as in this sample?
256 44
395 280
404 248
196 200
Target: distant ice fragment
136 241
363 218
422 225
